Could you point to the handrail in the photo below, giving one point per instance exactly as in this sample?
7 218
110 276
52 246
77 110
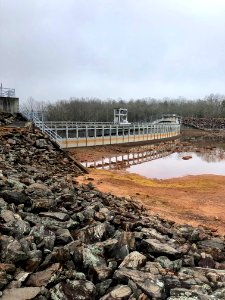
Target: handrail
70 124
6 92
32 116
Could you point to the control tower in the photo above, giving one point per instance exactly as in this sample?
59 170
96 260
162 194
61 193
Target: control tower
120 116
8 101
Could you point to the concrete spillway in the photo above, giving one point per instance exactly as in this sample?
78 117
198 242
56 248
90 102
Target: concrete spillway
74 134
84 135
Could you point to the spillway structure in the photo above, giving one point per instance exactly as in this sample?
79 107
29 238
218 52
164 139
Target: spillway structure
80 134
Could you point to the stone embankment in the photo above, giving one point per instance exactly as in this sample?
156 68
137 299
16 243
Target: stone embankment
204 123
62 241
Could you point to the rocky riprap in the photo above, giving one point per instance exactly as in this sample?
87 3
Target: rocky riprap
204 123
8 118
60 240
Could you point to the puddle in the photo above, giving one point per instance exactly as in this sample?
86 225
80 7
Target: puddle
169 161
174 166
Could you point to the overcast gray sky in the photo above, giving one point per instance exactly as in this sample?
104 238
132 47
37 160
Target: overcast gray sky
56 49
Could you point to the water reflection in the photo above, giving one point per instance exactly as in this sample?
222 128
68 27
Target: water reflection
167 160
135 156
174 166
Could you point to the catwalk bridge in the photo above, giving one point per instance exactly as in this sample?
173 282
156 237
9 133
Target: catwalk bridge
77 134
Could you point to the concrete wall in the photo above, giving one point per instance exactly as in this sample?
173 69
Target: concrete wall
109 140
8 104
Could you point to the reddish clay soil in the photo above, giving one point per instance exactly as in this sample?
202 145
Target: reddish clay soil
195 200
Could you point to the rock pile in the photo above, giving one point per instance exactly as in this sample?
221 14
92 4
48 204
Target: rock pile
8 118
60 240
204 123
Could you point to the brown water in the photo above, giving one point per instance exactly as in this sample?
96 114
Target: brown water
205 157
173 166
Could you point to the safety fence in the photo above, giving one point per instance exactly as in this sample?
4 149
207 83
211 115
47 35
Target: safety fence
75 134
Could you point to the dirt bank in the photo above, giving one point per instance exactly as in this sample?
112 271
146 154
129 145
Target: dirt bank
193 199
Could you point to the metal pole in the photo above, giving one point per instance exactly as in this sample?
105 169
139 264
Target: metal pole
67 135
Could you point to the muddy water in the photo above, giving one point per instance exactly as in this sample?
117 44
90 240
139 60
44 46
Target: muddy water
174 166
195 157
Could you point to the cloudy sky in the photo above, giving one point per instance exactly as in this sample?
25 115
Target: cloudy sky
54 49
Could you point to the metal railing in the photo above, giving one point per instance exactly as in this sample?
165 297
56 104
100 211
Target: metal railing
7 92
75 134
71 124
32 116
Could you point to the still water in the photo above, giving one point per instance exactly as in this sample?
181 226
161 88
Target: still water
174 166
170 160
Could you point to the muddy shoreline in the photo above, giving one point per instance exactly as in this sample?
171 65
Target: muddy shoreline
195 200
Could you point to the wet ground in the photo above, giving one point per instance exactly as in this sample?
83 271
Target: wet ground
196 199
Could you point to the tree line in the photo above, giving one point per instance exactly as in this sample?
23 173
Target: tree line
139 110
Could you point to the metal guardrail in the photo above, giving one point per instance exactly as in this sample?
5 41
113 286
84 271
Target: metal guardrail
64 124
7 92
69 135
32 116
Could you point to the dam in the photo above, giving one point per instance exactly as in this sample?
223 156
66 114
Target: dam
84 134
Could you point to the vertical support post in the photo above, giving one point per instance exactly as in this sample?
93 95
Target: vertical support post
123 133
42 122
67 135
95 135
128 134
77 134
86 133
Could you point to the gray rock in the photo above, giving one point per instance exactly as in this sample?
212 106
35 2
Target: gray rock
38 189
96 263
218 294
73 290
43 278
55 215
34 260
9 216
43 236
103 286
41 143
63 236
165 262
15 197
4 278
43 204
18 280
216 243
11 250
94 233
133 260
120 292
148 283
184 294
156 247
24 293
125 244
